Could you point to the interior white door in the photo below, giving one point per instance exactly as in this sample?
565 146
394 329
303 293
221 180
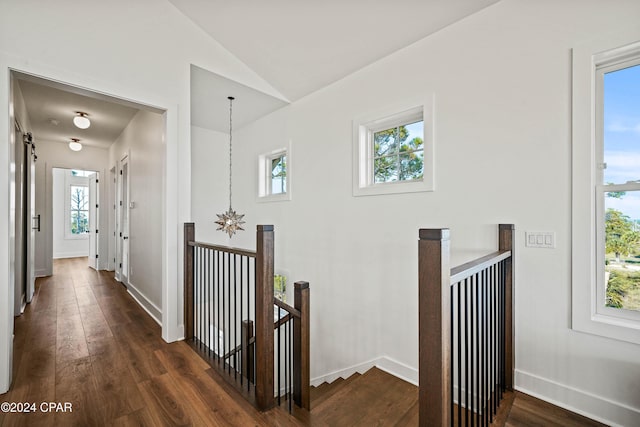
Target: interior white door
124 221
93 221
34 221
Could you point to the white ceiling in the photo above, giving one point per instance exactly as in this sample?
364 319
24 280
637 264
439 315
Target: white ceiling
300 46
46 101
210 106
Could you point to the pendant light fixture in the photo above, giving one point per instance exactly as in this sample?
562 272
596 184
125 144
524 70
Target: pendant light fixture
81 120
75 144
230 221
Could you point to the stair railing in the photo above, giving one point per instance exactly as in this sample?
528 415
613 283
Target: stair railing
465 331
229 316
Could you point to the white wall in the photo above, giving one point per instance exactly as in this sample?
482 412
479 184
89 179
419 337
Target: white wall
502 85
142 141
140 51
62 246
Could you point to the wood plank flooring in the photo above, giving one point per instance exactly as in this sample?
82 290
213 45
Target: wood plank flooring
85 341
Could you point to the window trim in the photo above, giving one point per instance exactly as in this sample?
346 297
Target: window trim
264 175
73 181
588 60
363 129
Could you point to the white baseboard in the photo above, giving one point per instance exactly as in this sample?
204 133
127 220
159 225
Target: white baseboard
70 255
344 373
144 302
398 369
384 363
578 401
40 273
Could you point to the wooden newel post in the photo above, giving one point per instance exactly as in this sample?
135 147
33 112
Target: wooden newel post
264 318
189 236
506 243
301 355
434 313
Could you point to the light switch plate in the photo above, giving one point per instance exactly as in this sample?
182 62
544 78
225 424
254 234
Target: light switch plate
540 239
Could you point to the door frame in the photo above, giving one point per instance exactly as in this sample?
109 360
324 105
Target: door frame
176 192
123 197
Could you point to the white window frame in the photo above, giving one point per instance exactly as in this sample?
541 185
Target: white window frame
364 128
264 175
73 181
589 314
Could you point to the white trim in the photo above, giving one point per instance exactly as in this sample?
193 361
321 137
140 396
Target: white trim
144 302
398 369
384 363
61 255
264 175
576 400
585 316
344 373
364 125
176 198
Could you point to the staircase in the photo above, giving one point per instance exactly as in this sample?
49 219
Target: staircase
373 398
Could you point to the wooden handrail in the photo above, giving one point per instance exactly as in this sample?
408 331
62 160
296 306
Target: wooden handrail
470 268
237 251
291 310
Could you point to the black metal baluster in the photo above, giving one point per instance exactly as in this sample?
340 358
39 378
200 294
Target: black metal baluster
459 299
466 353
279 359
477 389
235 318
485 347
451 341
470 406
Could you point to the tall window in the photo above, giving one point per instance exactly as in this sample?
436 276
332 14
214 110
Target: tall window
605 230
79 209
618 187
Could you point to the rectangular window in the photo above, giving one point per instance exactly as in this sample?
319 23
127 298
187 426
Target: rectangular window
605 247
393 151
274 175
278 166
79 209
398 153
618 188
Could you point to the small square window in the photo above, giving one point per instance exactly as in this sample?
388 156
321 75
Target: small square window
274 177
393 153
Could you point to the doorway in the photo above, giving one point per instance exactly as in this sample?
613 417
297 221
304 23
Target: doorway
75 214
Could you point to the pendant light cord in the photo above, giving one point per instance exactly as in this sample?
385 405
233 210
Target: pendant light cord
231 98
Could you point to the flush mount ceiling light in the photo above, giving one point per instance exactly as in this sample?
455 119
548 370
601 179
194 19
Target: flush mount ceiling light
230 221
81 120
75 144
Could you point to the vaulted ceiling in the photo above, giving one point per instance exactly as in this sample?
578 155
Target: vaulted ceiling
300 46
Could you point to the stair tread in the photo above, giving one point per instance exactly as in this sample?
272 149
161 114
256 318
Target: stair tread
366 399
326 390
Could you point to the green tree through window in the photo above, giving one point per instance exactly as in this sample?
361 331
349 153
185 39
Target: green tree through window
79 209
398 153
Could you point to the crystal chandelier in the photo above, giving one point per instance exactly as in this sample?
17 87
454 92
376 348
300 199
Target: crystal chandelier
230 221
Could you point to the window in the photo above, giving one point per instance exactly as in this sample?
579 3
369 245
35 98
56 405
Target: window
77 204
618 187
79 209
274 175
398 153
393 153
606 190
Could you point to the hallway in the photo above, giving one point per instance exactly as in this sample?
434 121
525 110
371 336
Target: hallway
85 341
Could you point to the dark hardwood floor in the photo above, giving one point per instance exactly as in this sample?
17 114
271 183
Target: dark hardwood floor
85 341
